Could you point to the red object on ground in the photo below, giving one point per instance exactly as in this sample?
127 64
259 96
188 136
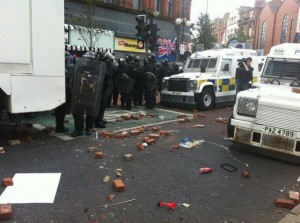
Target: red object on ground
5 211
171 205
206 170
99 155
284 203
119 185
7 181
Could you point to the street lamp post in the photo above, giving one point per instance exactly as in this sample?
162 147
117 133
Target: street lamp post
181 23
151 16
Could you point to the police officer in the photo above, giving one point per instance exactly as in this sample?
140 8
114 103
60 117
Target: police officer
150 67
244 74
138 92
60 111
108 58
86 90
164 72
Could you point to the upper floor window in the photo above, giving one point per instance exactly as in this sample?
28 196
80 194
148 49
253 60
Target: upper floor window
291 29
263 35
284 29
170 8
136 4
157 5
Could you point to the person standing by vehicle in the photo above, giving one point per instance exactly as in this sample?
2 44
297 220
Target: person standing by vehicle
244 75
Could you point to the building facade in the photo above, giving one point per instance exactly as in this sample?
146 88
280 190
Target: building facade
118 17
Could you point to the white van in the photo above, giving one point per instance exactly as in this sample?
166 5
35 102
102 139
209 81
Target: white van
266 118
208 79
32 70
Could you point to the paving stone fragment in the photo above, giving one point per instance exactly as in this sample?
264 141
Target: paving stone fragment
284 203
294 196
5 211
119 185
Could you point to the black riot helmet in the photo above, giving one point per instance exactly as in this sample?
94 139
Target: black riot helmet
137 59
165 62
151 57
129 57
121 61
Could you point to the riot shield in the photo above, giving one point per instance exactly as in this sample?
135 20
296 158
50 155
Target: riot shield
88 84
124 83
148 81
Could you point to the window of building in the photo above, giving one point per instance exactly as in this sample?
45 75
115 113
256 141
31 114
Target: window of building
170 8
223 37
157 5
291 29
136 4
284 29
263 35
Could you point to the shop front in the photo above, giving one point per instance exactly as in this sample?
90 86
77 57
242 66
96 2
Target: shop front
124 46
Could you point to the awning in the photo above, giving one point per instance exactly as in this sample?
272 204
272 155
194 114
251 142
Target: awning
84 48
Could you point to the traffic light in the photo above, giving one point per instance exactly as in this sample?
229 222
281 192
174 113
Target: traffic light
153 37
146 32
139 36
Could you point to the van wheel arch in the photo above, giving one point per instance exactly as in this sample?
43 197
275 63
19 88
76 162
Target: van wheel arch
206 99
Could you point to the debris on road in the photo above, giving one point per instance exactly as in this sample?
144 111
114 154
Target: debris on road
108 205
106 179
188 120
155 129
5 211
99 155
164 133
246 174
190 144
91 149
199 115
171 205
284 203
48 130
294 196
175 146
28 139
128 157
154 136
198 126
7 181
110 197
13 142
2 151
140 147
221 120
181 116
186 205
206 170
119 185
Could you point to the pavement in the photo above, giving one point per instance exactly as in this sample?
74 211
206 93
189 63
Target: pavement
158 173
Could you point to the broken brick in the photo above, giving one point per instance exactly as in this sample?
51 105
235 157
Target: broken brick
13 142
5 211
98 155
110 197
28 139
7 181
181 116
134 117
150 141
119 119
141 147
164 133
135 132
108 135
151 115
119 185
155 129
284 203
294 196
175 146
146 138
119 136
188 120
48 130
154 136
246 174
199 116
219 120
91 149
128 157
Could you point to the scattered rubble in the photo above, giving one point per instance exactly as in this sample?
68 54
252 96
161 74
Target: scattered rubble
197 126
13 142
206 170
110 197
293 195
5 211
99 155
246 174
284 203
2 151
7 181
106 179
91 149
186 205
119 185
128 157
171 205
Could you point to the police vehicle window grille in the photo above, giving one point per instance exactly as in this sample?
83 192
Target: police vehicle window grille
204 62
282 68
212 63
190 63
196 63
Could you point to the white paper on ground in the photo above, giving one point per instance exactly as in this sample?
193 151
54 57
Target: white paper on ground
31 188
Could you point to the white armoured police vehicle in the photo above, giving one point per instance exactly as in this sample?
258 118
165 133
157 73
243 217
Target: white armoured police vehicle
267 117
208 78
32 69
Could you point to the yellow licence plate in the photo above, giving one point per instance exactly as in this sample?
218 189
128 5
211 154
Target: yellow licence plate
279 131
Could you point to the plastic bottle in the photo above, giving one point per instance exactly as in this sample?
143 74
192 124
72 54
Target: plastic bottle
206 170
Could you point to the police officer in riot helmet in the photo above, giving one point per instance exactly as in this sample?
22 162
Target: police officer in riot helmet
165 72
87 88
137 90
108 58
151 67
129 58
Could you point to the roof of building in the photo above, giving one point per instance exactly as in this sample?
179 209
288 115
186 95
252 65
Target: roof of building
274 5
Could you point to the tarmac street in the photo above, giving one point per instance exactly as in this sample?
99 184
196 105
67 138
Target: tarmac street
159 172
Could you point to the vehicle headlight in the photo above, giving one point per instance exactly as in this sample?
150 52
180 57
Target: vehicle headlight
165 83
192 84
247 106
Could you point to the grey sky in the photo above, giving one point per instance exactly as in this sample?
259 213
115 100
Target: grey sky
217 8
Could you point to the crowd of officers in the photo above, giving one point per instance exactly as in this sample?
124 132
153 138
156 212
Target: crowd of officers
134 79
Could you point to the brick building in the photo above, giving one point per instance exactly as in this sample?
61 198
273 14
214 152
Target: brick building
119 16
220 26
276 24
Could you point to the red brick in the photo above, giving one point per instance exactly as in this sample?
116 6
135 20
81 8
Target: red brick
7 181
141 147
246 174
155 129
134 117
284 203
198 126
150 141
119 185
119 136
181 116
135 132
146 138
219 120
164 133
199 116
151 115
294 196
98 155
5 211
28 139
154 136
108 135
175 146
188 120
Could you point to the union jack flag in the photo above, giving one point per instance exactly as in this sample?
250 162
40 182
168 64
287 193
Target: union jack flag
167 48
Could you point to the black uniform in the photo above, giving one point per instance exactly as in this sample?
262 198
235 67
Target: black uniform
151 67
138 92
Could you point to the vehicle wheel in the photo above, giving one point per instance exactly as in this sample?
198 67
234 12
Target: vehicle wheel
230 128
206 100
